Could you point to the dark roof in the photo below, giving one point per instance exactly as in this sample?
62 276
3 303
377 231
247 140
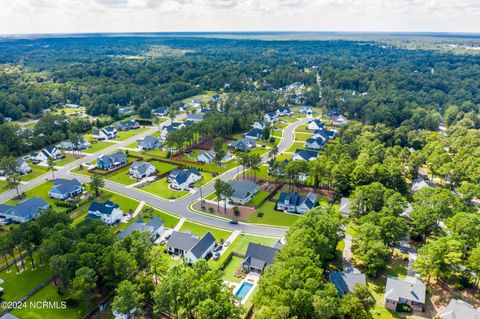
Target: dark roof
306 154
148 140
160 111
255 132
26 208
105 208
66 185
206 242
183 241
318 122
345 282
259 256
183 176
115 157
140 167
319 140
139 225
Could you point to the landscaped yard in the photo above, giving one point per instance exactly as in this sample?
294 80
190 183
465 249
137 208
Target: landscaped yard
271 216
296 145
38 191
258 198
229 272
161 188
259 150
302 137
201 230
123 135
37 170
49 293
67 159
162 167
98 146
121 176
16 286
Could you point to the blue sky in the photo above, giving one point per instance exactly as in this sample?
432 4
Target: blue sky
66 16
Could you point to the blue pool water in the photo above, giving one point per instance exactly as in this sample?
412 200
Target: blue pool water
243 290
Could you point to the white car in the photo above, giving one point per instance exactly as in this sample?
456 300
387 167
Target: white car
226 244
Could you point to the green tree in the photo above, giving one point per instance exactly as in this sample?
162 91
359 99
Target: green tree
51 166
127 298
96 183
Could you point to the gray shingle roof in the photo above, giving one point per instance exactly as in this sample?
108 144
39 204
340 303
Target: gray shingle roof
140 167
152 226
410 289
26 208
183 241
104 208
259 256
64 186
345 282
242 188
200 248
459 309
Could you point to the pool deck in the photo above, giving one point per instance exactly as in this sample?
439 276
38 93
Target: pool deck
251 278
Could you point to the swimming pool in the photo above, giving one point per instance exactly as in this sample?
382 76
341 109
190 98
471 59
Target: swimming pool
243 290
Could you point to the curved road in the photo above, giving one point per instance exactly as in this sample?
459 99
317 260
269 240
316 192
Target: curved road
181 207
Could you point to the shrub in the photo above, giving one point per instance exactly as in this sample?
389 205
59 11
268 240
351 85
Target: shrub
401 307
236 211
260 214
211 209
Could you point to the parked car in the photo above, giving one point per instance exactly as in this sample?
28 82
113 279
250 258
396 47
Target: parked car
226 244
217 248
216 256
234 222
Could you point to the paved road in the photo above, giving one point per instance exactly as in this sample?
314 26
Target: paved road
178 207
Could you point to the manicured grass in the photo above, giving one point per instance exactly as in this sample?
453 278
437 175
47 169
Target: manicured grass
156 153
271 216
49 293
295 145
123 135
281 125
37 170
201 230
98 146
288 119
258 198
38 191
16 286
240 244
277 133
303 128
229 272
302 137
283 156
121 176
169 221
211 196
2 186
64 161
163 168
160 188
259 150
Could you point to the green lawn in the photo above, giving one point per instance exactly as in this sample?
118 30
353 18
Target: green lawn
295 145
277 133
98 146
64 161
3 184
229 272
49 293
288 119
284 156
123 135
162 167
156 153
303 128
302 137
121 176
160 188
259 150
16 286
201 230
37 170
258 198
271 216
38 191
169 221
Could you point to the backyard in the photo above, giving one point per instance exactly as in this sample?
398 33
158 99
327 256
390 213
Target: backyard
161 188
97 146
123 135
201 230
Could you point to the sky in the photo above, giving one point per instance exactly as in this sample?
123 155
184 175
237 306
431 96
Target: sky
81 16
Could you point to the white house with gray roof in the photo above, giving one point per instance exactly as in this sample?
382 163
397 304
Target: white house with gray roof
154 227
109 162
410 291
65 188
139 170
149 142
24 211
459 309
189 246
201 249
243 191
259 256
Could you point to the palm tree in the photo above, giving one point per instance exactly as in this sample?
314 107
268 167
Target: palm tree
199 184
273 152
218 186
227 193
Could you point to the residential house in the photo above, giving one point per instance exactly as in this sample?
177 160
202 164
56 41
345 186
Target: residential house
149 142
244 145
139 170
307 110
216 98
209 157
254 133
23 167
127 125
160 112
25 210
296 203
284 111
49 152
124 110
259 256
154 227
195 117
333 113
339 120
108 212
305 155
315 143
72 106
188 123
243 191
106 133
82 144
344 282
270 117
182 180
259 125
201 250
421 183
65 188
195 103
344 208
459 309
410 291
315 125
190 247
166 130
109 162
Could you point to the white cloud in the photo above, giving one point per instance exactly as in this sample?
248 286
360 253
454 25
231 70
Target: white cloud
63 16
